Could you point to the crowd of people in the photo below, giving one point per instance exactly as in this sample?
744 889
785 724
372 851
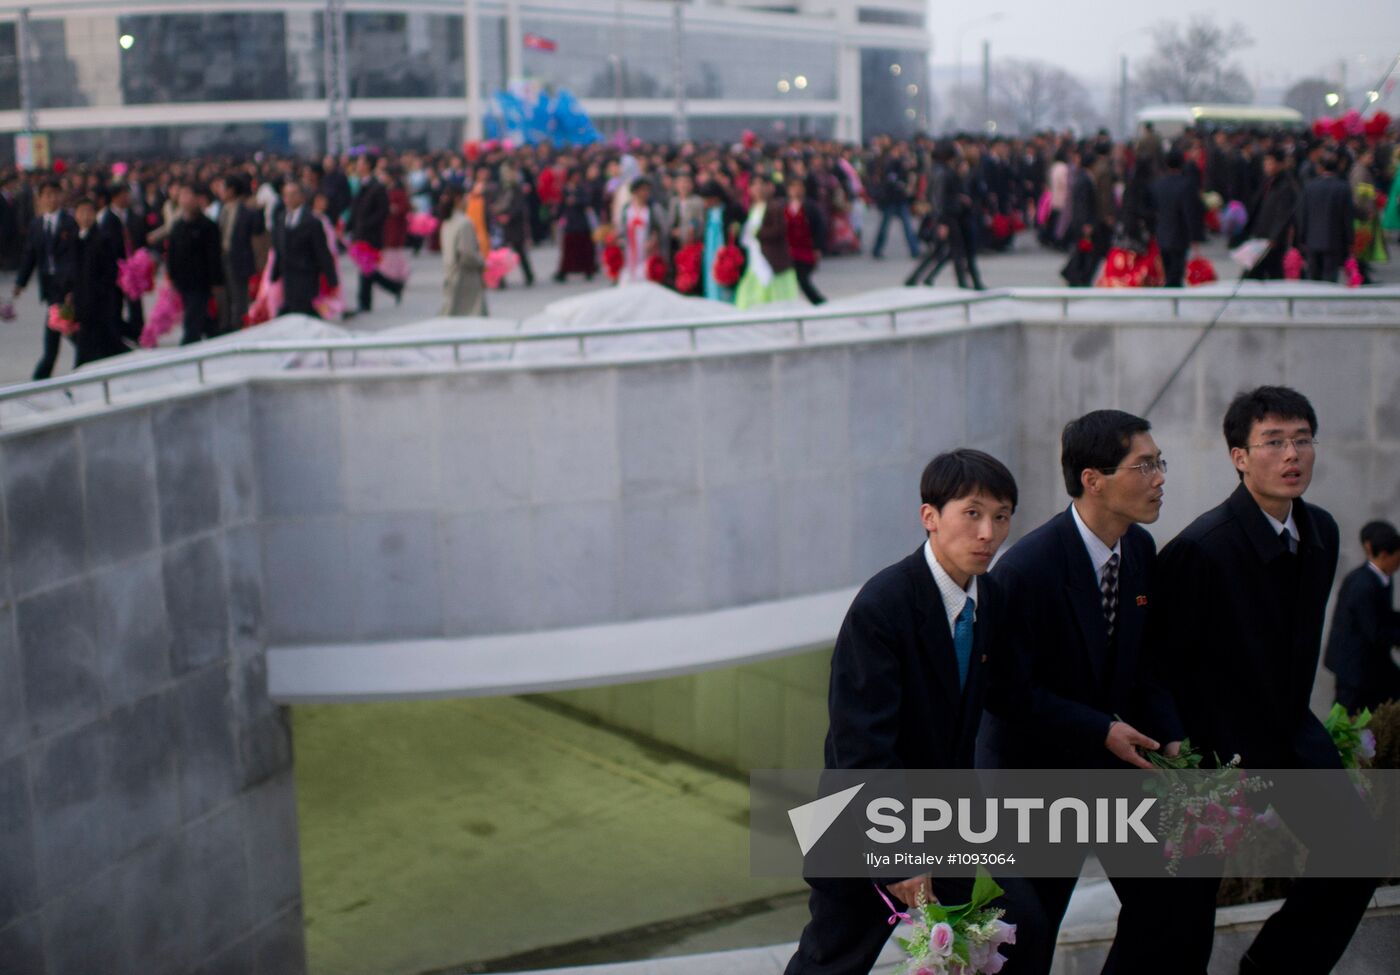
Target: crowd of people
240 240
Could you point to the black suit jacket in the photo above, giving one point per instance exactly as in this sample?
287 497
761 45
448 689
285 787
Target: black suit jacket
115 233
1171 204
239 256
1325 216
1238 628
894 700
303 258
95 296
41 249
368 213
1365 626
1060 683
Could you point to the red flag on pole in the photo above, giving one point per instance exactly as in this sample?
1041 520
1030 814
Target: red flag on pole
537 43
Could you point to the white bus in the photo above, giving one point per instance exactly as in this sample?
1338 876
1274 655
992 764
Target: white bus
1170 120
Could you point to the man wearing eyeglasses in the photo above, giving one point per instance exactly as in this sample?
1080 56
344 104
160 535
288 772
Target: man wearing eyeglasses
1073 693
1242 594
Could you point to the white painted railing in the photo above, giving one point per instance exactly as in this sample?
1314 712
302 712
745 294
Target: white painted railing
342 352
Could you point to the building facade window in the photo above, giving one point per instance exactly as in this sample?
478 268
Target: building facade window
405 55
217 57
882 15
894 91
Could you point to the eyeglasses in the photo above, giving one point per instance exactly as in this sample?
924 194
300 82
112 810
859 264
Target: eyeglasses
1303 444
1148 468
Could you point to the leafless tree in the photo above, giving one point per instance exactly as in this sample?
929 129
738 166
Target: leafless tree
1309 96
1193 63
1031 95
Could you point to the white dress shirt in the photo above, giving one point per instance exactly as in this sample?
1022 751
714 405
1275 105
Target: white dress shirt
1099 553
1385 579
1288 523
954 596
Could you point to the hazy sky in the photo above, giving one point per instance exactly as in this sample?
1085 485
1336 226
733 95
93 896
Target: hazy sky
1292 38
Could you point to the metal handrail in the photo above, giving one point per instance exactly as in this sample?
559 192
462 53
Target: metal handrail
201 355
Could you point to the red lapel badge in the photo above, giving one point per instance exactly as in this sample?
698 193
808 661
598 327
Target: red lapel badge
1142 600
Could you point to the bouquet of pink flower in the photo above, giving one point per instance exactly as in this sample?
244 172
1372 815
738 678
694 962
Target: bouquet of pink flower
422 224
961 940
136 275
499 263
1205 812
63 319
168 312
364 256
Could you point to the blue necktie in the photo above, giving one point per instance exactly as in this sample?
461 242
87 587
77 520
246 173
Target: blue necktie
962 639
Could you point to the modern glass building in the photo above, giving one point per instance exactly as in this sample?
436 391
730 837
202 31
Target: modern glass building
191 76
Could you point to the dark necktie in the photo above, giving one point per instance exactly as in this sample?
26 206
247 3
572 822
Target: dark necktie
1290 544
1108 587
962 639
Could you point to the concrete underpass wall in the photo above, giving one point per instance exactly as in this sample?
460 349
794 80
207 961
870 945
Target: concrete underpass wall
151 553
1351 373
147 816
470 503
763 715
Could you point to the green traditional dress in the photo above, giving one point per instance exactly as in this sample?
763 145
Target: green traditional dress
759 285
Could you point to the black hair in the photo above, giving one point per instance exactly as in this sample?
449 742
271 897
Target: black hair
1097 441
711 190
51 184
1249 408
85 201
639 183
964 472
1381 537
1175 159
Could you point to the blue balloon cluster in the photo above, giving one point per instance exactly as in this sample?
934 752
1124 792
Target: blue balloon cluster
560 119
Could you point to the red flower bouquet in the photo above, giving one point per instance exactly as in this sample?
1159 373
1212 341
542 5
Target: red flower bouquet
63 319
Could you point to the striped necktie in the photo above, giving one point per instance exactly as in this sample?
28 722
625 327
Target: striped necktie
1108 588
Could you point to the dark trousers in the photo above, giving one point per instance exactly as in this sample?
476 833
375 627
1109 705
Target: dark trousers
524 254
52 343
1327 909
1138 945
197 323
804 281
1324 265
955 248
1270 266
1174 266
367 283
899 211
850 924
233 303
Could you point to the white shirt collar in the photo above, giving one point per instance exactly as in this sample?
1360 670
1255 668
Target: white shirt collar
1288 523
954 597
1385 579
1099 553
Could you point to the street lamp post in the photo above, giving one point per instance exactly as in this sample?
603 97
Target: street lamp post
961 33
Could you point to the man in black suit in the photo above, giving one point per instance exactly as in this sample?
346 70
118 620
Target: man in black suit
367 216
1078 271
1325 221
11 240
1365 625
49 249
124 234
1242 592
238 225
908 677
95 295
1073 690
194 264
1271 213
1172 214
303 256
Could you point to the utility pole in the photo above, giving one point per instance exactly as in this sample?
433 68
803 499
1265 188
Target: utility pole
986 85
337 71
679 128
471 45
26 80
1123 98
